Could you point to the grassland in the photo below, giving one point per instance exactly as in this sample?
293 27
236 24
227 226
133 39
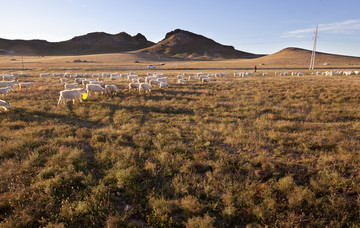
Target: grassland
277 151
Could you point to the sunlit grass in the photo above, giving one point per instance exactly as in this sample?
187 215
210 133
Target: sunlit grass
278 151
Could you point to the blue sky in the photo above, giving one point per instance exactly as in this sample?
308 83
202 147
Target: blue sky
257 26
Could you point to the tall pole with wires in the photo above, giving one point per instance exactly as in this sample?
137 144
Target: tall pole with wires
312 61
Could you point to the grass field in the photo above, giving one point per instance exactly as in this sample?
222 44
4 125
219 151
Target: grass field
277 151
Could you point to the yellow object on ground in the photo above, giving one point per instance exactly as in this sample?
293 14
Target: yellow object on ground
84 96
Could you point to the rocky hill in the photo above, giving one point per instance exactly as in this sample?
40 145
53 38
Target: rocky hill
92 43
184 44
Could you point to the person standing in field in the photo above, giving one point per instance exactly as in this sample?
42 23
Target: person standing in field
255 69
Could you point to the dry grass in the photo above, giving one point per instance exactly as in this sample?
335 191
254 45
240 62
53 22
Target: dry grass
278 151
287 58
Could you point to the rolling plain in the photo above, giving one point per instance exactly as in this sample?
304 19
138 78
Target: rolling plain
238 151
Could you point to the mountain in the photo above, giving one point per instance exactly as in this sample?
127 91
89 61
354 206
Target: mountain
91 43
184 44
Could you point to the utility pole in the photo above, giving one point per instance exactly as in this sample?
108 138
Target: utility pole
312 61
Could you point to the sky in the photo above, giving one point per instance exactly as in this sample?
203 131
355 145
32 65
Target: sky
256 26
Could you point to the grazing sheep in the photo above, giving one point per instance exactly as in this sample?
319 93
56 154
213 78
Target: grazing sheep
265 74
145 86
114 77
101 83
182 81
164 85
58 74
86 81
105 75
154 82
164 79
5 90
5 105
203 80
148 79
24 75
8 83
79 80
133 86
192 77
8 77
63 80
123 76
70 95
130 77
94 88
26 85
135 80
71 85
180 77
110 89
44 75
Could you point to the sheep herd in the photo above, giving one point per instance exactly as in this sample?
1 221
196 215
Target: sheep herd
76 84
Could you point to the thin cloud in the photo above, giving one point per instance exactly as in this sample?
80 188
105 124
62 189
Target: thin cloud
344 27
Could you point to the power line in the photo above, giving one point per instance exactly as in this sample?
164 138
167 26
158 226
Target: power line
312 61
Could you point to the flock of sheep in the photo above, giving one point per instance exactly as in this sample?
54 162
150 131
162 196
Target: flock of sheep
75 85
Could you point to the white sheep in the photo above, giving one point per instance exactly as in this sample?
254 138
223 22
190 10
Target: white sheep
101 83
79 80
182 81
193 77
130 77
133 86
135 80
58 74
164 79
70 85
180 77
63 80
8 83
145 87
123 76
105 75
110 89
164 85
154 82
203 80
94 88
5 105
8 77
44 75
26 85
70 95
24 75
86 81
5 90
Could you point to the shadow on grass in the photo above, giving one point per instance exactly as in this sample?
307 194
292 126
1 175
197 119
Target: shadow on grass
39 116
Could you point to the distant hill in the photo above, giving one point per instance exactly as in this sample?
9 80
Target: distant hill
92 43
293 56
184 44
